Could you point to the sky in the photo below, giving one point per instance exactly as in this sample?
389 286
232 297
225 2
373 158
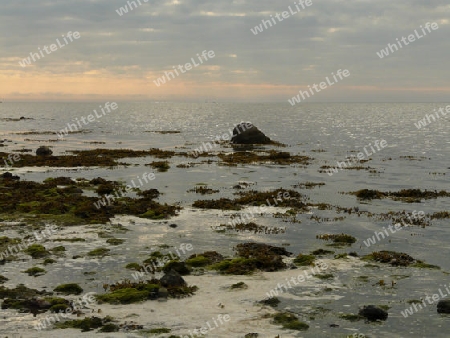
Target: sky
120 57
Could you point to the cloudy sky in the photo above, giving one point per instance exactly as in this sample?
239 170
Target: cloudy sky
119 56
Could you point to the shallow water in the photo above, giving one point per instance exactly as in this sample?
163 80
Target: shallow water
337 130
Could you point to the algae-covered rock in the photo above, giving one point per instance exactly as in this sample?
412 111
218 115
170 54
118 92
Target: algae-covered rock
69 289
443 306
37 251
172 279
44 151
373 313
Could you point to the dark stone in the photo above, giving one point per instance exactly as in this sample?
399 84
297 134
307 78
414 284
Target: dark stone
247 133
97 181
163 293
179 267
172 279
443 306
9 176
373 313
173 225
44 151
272 301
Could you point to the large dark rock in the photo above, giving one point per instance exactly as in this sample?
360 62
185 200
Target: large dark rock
179 267
443 306
44 151
9 176
172 279
373 313
247 133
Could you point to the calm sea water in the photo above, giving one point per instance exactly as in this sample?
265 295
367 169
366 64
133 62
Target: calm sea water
414 158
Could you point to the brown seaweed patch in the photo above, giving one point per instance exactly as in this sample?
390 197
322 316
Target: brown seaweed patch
161 166
440 215
307 185
272 156
406 195
203 189
123 153
163 131
279 198
338 238
250 227
221 204
391 257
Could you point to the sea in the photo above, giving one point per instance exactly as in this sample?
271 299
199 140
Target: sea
415 156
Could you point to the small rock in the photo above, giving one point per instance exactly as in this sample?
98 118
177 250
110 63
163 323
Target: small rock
373 313
443 306
172 279
173 225
163 293
44 151
9 176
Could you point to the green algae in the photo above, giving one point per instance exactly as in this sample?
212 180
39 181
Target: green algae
339 239
304 260
115 241
37 251
99 252
127 292
35 271
41 202
289 321
252 257
86 324
69 289
198 261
